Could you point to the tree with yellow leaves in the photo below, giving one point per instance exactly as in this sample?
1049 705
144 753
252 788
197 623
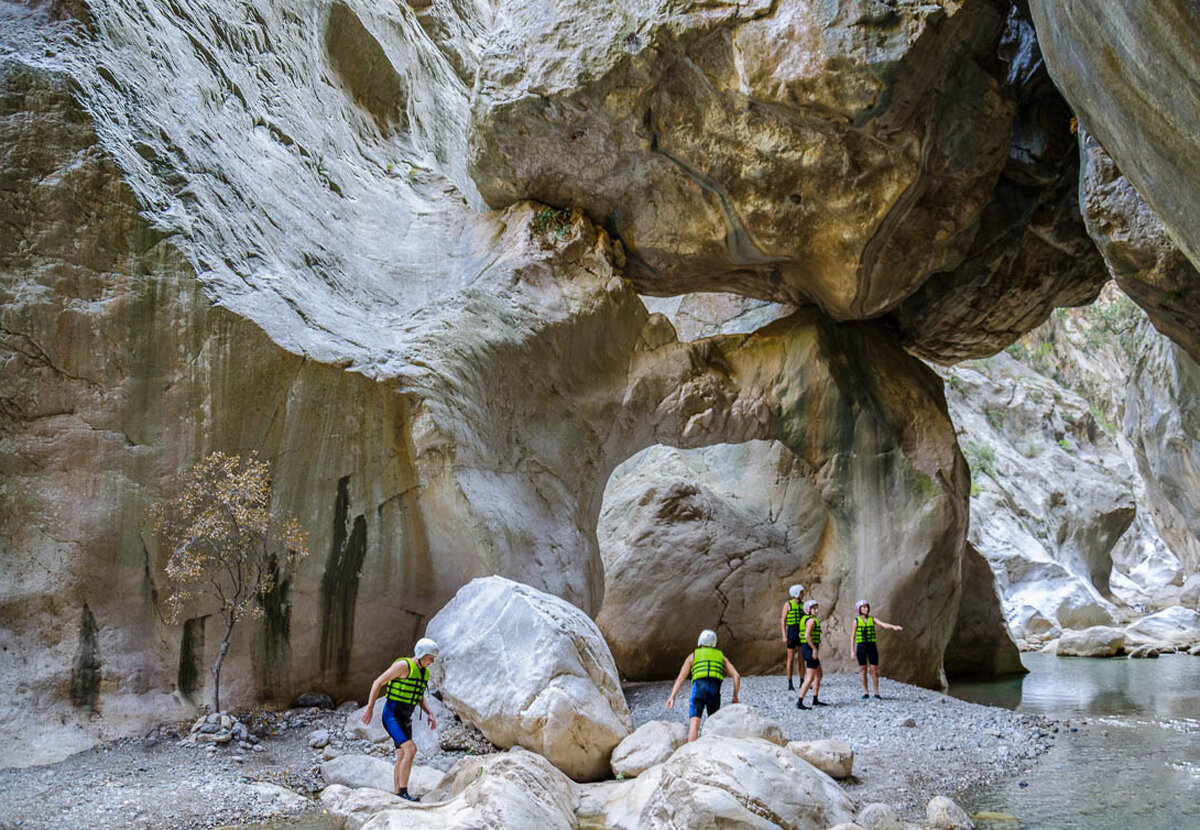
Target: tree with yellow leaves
225 547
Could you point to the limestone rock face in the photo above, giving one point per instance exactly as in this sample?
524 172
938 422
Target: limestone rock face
1138 249
743 783
981 647
529 669
598 107
1096 641
1125 69
834 758
651 744
738 720
1176 627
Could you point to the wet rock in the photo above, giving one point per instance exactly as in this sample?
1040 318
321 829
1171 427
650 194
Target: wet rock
319 700
943 814
1144 651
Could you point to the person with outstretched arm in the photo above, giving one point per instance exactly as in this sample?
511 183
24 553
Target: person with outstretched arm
403 686
865 648
707 667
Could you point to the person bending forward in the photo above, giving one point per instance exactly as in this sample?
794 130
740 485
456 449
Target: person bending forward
404 688
707 667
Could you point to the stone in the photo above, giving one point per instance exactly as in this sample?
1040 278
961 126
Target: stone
319 700
1097 641
740 720
1194 650
1176 627
1189 593
359 771
943 814
904 722
1143 651
318 738
834 758
879 816
742 782
981 647
280 796
330 752
552 688
651 744
373 731
352 808
847 825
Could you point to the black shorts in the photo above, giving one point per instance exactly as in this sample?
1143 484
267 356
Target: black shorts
793 636
867 653
807 653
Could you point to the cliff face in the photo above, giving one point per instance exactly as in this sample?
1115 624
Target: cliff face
303 229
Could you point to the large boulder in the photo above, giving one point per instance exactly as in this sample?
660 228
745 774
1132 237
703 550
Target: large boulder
651 744
737 782
943 814
495 792
739 720
1176 627
529 669
834 758
351 808
1097 641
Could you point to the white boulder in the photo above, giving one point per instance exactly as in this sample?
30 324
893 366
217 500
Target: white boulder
529 669
373 731
1097 641
652 744
739 720
943 814
834 758
1178 627
879 816
358 771
1189 594
351 808
745 783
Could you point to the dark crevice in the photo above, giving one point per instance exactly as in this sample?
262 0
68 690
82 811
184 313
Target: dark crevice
191 657
339 585
85 676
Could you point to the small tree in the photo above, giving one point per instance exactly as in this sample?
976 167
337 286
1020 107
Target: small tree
225 546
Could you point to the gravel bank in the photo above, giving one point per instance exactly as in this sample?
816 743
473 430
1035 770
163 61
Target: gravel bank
954 746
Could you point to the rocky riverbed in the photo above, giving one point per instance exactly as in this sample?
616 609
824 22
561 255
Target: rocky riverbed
951 747
163 781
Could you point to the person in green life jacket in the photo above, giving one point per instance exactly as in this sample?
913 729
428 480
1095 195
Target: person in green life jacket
789 627
810 652
404 688
707 667
865 648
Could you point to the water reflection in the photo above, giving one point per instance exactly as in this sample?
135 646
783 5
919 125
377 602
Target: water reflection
1134 766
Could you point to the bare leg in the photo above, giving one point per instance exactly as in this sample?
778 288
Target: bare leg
862 673
396 771
808 679
693 729
818 673
791 660
874 677
404 762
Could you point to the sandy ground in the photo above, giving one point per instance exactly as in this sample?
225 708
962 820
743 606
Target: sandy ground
154 782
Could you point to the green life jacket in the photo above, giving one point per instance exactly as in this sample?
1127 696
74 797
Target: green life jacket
865 632
816 633
794 613
411 689
708 662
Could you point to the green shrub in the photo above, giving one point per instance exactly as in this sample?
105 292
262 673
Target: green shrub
997 418
552 222
980 458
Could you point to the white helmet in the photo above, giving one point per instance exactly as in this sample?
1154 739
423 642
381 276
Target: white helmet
808 606
796 590
858 606
708 638
426 646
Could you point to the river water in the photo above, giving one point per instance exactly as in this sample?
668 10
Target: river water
1130 758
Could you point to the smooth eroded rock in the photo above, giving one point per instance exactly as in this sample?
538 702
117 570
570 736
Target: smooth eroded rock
529 669
1176 627
651 743
1097 641
943 814
834 758
740 720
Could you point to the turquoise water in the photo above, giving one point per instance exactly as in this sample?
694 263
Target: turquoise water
1134 764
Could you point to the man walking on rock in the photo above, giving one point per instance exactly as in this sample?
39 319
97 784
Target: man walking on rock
865 648
707 667
405 684
810 650
789 626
